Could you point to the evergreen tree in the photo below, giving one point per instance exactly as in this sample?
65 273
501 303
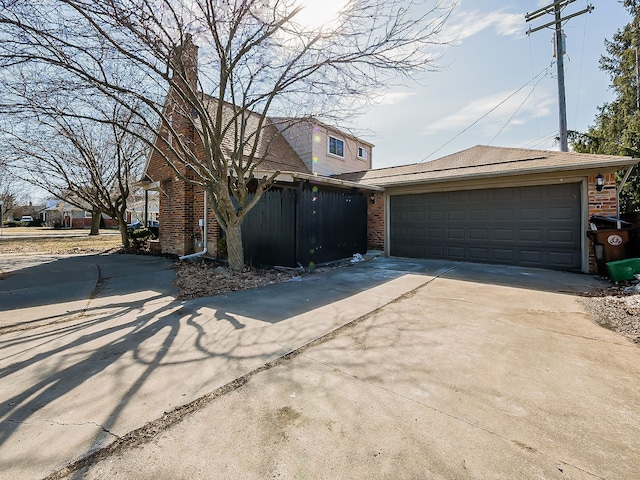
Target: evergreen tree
617 126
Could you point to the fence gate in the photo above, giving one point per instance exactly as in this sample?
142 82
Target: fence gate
269 230
331 226
305 227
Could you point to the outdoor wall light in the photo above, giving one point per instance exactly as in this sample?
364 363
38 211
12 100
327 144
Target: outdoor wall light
599 182
372 198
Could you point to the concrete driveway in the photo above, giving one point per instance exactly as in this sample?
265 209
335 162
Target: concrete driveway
386 369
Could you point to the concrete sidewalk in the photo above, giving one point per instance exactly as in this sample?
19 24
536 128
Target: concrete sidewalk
449 371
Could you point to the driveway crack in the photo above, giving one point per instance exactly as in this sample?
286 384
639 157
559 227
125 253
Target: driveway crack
66 424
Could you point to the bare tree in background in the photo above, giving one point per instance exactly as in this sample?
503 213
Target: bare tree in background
257 59
87 163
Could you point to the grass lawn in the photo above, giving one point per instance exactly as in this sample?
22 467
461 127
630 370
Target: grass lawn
46 240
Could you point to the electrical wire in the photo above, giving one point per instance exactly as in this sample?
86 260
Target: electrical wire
535 100
541 140
484 116
533 89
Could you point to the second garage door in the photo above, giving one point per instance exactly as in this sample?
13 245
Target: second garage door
535 226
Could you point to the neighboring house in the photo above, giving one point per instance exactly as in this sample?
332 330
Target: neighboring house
494 205
139 208
305 217
58 213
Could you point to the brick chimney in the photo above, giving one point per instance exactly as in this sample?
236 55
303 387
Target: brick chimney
185 62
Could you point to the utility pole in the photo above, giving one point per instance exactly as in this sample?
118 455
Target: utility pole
556 9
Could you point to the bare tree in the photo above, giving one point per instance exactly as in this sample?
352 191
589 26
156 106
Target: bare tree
257 59
88 163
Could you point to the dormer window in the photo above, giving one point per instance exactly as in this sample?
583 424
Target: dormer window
336 147
362 153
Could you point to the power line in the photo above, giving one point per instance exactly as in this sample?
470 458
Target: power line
533 89
483 116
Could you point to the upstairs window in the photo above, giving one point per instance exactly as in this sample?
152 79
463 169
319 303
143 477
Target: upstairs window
362 153
336 147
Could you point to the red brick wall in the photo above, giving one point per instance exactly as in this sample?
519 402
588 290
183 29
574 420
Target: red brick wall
604 204
375 222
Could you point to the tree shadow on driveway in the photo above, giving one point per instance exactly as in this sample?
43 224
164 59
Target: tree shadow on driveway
81 369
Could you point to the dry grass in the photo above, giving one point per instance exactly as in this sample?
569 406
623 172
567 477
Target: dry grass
32 240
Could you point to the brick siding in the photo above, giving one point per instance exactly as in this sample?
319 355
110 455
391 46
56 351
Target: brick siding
603 204
375 222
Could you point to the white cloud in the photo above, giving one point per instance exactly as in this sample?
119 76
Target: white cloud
393 98
465 24
535 106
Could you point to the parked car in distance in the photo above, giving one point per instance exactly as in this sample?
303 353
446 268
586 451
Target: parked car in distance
26 218
138 224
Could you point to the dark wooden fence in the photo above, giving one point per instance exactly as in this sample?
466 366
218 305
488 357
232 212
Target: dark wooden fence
305 227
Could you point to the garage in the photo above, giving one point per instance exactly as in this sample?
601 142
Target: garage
505 206
535 226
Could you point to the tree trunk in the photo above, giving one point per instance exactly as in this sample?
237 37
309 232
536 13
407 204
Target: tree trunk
96 216
122 226
235 251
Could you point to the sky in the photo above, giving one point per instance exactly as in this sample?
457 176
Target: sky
490 60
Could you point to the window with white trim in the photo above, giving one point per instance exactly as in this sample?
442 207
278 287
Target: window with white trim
336 147
362 153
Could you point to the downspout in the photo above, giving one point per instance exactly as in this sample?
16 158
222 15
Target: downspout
619 190
204 233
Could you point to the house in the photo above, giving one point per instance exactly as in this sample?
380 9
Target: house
61 214
485 204
145 208
305 218
494 205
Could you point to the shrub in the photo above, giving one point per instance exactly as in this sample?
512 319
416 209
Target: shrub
140 238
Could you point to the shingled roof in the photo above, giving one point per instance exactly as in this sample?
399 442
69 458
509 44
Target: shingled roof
484 161
278 154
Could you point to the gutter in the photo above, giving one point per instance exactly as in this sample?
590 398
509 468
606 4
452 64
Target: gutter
329 181
380 181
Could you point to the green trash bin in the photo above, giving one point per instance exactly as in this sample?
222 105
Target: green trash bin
623 269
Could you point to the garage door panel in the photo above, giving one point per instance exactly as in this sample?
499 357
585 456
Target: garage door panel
566 237
435 233
478 234
502 255
478 215
479 254
531 214
502 194
565 213
479 195
503 235
492 225
456 215
456 253
531 236
502 215
455 234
